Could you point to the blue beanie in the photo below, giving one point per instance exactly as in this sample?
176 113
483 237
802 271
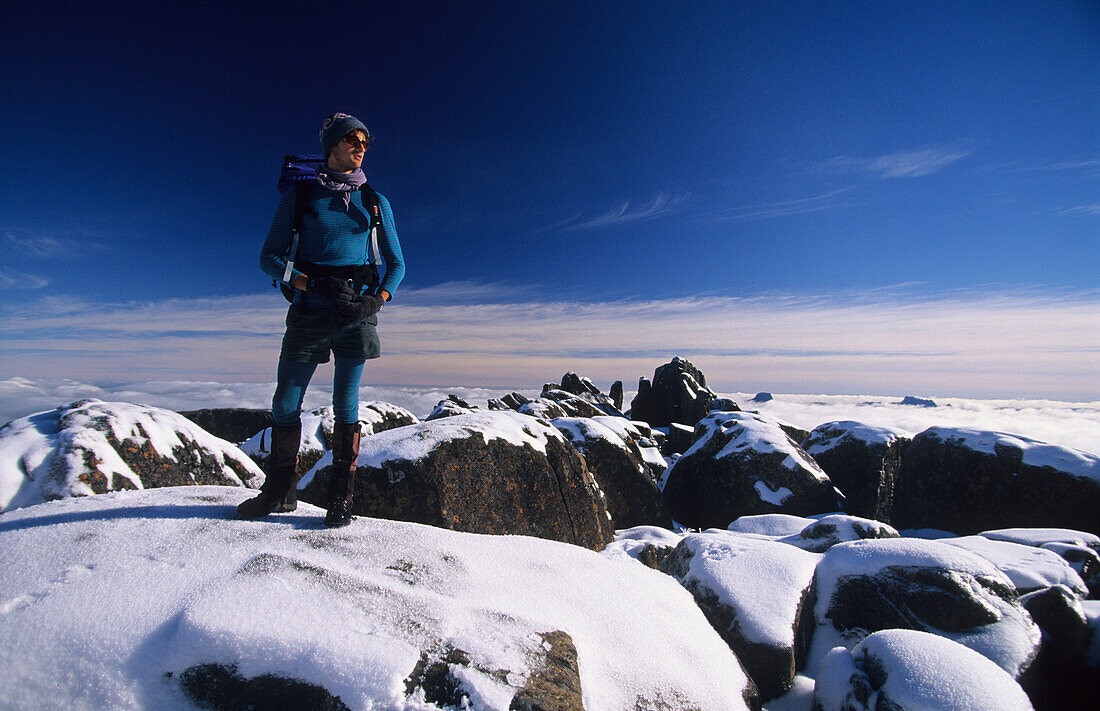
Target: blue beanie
336 127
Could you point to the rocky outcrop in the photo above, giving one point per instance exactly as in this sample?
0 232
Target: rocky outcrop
743 464
907 670
757 594
625 464
678 393
904 583
453 405
487 472
92 447
828 531
233 424
863 461
967 481
583 390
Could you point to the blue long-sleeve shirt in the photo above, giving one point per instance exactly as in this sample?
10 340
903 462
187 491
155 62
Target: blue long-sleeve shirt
332 235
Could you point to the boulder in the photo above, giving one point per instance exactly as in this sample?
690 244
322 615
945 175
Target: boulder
906 583
1059 678
917 401
1029 568
233 424
679 439
908 670
827 531
584 389
625 464
863 461
92 447
453 405
967 481
678 393
485 472
742 464
757 596
1081 550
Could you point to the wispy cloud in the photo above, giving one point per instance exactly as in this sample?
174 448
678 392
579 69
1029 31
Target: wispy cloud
44 244
12 280
766 211
1080 210
900 164
1013 343
662 204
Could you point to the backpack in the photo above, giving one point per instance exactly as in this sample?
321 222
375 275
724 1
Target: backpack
300 170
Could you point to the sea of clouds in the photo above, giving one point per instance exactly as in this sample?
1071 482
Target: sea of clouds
1068 424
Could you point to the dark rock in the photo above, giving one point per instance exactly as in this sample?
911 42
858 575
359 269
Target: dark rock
863 462
905 583
453 405
679 439
488 472
723 404
222 688
679 393
743 464
1059 678
763 397
625 465
572 405
233 424
543 409
556 684
967 481
917 401
797 434
739 582
616 394
574 388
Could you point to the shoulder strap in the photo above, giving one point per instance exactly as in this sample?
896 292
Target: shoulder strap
370 200
301 199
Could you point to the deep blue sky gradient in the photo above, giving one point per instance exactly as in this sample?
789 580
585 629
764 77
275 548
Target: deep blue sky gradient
603 150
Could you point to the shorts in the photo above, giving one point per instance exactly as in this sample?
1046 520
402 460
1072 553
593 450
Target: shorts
312 332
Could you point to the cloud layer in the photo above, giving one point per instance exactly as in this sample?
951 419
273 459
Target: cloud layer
971 344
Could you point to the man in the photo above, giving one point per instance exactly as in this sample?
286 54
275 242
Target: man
337 296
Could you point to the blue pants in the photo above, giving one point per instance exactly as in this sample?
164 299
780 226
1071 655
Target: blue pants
286 405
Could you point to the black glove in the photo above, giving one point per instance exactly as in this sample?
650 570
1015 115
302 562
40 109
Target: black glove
333 289
359 308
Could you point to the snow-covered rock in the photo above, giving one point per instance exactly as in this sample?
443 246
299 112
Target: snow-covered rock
863 462
1029 568
153 599
906 583
826 531
1081 550
453 405
967 481
233 424
757 595
580 397
908 670
772 525
1060 678
91 447
741 464
625 464
484 472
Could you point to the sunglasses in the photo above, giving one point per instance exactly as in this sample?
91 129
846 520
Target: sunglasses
356 142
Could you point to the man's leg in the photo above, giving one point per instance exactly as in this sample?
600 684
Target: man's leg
345 440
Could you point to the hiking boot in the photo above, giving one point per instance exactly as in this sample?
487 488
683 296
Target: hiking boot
281 473
339 514
341 478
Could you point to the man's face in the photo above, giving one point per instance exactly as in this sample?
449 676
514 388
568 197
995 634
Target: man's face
347 154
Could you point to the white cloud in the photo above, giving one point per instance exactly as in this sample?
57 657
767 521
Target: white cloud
1080 210
765 211
1015 343
12 280
624 214
44 244
901 164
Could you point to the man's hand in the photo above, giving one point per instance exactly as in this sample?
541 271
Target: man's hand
359 308
333 289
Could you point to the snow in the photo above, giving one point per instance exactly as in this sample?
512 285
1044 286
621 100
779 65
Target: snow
103 596
1009 642
826 530
629 542
835 433
758 433
41 455
777 525
1043 536
922 672
775 496
1028 567
1037 454
763 581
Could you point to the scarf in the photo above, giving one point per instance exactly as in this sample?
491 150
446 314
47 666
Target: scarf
341 182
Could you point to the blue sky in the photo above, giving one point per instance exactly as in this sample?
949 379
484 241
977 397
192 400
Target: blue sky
799 196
